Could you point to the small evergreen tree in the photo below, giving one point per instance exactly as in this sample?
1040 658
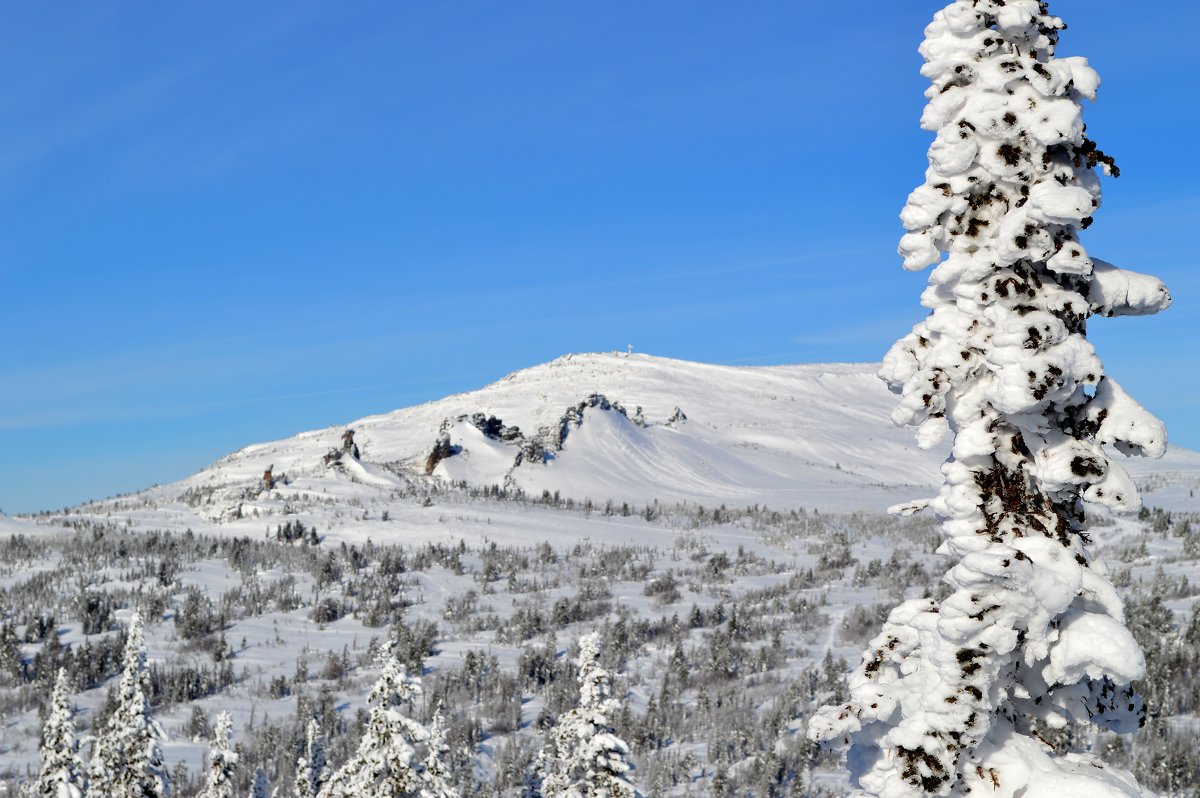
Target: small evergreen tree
260 787
222 762
584 758
950 697
127 757
62 774
434 772
535 776
386 762
311 769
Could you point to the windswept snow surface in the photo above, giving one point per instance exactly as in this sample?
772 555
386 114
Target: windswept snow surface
816 436
783 436
16 526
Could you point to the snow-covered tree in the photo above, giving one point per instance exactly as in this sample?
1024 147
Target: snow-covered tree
583 757
62 770
387 762
950 696
127 757
531 785
260 787
222 762
434 774
311 769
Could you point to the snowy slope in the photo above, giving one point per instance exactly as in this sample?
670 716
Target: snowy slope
782 436
785 437
15 526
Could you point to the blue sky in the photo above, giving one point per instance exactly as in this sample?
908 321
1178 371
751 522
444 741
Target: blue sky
222 223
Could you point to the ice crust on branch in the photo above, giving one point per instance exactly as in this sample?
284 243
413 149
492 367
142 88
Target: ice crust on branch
949 697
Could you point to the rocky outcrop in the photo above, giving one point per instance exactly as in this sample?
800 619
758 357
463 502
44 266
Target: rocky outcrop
442 449
491 427
549 440
540 447
349 449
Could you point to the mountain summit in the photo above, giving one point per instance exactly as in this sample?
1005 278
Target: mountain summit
615 427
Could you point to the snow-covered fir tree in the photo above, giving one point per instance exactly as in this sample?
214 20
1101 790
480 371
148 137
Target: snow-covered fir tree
62 774
531 787
435 774
387 762
259 787
127 756
583 757
222 762
950 697
311 769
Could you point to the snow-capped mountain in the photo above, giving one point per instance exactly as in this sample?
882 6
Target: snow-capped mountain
628 428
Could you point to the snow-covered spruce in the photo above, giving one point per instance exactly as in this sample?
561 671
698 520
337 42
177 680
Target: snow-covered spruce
259 787
436 774
583 757
387 762
222 762
949 697
127 756
311 769
62 770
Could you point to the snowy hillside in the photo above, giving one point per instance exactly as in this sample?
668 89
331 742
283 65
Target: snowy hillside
15 526
630 428
723 621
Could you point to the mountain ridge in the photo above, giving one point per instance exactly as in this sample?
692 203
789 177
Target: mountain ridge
811 435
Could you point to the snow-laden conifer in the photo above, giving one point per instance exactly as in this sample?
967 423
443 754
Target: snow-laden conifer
222 762
311 769
260 787
584 757
531 785
387 762
950 695
435 774
62 774
127 757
